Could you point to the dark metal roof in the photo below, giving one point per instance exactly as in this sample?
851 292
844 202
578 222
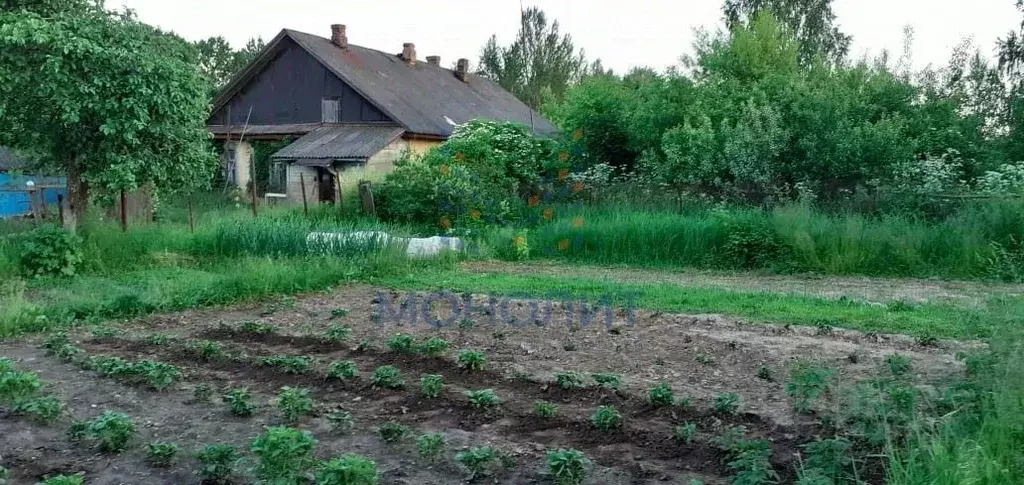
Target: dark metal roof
10 161
349 142
425 99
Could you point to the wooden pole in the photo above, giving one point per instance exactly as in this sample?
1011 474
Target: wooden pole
341 198
32 202
305 205
366 198
42 202
191 216
60 207
124 212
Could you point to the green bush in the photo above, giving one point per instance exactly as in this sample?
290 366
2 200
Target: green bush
350 469
112 431
217 462
433 385
76 479
392 432
661 395
342 370
161 454
476 460
50 251
294 403
606 418
567 467
285 455
388 377
430 445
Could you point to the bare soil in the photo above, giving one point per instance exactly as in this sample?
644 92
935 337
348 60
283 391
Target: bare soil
699 356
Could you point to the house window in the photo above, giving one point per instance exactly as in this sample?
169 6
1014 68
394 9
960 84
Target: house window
278 183
331 108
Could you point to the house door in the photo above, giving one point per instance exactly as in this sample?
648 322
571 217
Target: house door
327 185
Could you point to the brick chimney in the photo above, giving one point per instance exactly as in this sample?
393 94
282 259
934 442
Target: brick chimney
434 60
338 36
462 70
409 53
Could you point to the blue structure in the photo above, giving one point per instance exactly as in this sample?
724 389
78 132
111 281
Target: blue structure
14 184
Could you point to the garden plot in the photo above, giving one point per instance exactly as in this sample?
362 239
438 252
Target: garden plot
668 399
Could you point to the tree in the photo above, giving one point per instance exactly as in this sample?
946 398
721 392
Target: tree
43 7
541 59
811 22
110 101
219 62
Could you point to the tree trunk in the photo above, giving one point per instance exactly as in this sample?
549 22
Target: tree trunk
78 196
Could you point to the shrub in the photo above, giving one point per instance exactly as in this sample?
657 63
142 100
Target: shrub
294 403
341 421
685 432
807 382
388 377
337 333
472 360
476 460
76 479
50 251
240 402
350 469
434 347
606 418
285 454
343 370
728 402
569 380
112 431
431 445
217 463
608 380
567 467
392 432
401 343
433 385
661 396
161 454
482 399
545 409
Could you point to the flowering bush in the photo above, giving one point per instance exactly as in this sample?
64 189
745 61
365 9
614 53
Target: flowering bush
1007 180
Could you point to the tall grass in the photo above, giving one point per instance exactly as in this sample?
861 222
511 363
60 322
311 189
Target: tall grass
978 242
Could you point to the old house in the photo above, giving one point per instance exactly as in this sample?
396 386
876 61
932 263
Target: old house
347 106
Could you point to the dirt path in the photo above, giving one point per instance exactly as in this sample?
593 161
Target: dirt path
878 290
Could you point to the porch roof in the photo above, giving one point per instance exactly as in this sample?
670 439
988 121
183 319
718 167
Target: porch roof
328 144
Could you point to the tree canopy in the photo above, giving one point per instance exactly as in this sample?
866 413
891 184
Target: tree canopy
219 62
811 22
104 98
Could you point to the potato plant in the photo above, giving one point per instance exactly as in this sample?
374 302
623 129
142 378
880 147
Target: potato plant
158 375
337 333
289 364
661 396
284 454
203 392
751 463
76 479
342 370
217 463
569 380
685 432
430 445
239 401
482 399
401 343
433 385
567 467
544 409
42 409
350 469
161 454
728 403
388 377
476 460
294 403
112 431
207 350
807 383
898 364
472 360
392 432
606 418
341 421
433 347
607 380
257 328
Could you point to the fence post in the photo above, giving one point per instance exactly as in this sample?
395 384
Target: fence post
341 197
124 212
60 207
191 216
366 198
302 184
42 202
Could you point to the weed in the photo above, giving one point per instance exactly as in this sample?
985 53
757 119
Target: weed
111 366
203 392
928 340
103 332
476 460
76 479
567 467
350 469
432 385
337 333
431 445
898 364
161 454
159 375
289 364
507 459
68 352
685 432
56 340
661 396
434 347
42 409
401 343
765 373
751 460
569 346
339 313
341 421
499 335
285 454
606 418
482 399
683 402
365 345
112 431
472 360
728 403
466 324
831 458
392 432
240 402
544 409
899 306
705 358
807 383
257 328
217 463
569 380
294 403
388 377
607 380
78 431
207 350
18 386
342 370
729 437
159 339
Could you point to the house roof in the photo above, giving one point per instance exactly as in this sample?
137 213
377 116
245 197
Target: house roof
259 130
9 160
425 99
356 142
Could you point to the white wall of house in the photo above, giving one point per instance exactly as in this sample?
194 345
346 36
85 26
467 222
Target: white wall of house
237 158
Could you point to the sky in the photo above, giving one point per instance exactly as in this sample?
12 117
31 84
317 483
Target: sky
651 33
